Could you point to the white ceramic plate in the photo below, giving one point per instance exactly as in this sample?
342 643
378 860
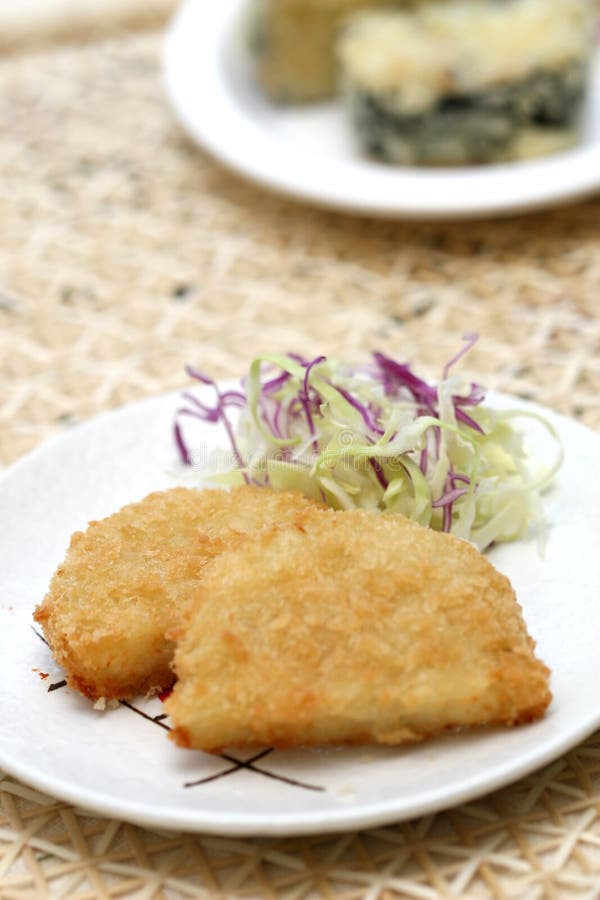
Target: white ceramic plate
308 152
120 762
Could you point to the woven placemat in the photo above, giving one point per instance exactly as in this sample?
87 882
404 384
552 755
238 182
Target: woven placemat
124 253
33 23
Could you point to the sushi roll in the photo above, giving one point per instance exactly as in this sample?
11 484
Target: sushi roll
291 42
467 82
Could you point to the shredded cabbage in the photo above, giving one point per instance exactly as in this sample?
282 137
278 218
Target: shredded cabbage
379 437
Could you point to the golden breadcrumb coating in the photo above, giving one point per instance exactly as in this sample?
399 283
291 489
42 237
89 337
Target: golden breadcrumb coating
351 627
126 580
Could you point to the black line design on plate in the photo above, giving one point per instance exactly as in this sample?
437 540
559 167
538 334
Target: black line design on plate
237 764
156 719
40 635
57 684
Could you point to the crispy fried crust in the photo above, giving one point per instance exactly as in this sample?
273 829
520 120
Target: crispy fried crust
351 627
126 580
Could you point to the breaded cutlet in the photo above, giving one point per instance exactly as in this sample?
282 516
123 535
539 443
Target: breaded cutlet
351 627
126 580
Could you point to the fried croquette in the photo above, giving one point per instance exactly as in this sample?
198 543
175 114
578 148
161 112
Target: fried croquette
127 579
350 628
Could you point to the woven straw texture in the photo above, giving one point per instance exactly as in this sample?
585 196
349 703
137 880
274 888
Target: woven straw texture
124 253
25 24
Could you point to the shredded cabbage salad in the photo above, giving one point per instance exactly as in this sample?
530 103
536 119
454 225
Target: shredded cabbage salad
378 437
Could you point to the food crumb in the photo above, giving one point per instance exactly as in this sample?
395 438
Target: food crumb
43 675
345 791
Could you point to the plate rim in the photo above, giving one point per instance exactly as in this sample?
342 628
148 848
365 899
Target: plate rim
515 191
339 820
295 823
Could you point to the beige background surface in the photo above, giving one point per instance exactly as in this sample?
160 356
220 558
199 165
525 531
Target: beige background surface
25 24
125 253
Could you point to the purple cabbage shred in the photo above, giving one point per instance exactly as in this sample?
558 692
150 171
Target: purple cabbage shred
396 379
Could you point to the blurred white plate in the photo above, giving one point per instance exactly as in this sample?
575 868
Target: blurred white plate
120 763
308 152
